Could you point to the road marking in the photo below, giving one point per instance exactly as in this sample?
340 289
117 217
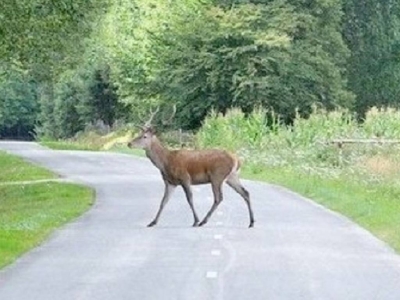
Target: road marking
218 236
220 213
216 252
212 274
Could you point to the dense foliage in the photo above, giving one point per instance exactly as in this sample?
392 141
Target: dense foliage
71 64
372 33
18 105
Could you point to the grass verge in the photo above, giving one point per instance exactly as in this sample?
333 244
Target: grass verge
30 212
66 145
374 207
13 168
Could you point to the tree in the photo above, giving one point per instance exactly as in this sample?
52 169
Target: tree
45 39
372 33
43 31
125 36
277 54
81 97
18 105
103 101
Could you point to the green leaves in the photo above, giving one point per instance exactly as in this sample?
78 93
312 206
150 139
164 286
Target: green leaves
18 105
45 32
283 55
274 54
372 33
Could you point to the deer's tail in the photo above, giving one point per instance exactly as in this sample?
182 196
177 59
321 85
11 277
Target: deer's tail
237 163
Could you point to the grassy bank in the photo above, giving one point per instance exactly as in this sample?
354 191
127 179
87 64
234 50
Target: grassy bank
30 212
68 145
13 168
91 141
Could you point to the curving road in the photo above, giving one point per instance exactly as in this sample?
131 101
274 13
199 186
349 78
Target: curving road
297 250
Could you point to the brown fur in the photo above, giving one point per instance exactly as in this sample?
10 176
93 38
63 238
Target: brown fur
192 167
199 167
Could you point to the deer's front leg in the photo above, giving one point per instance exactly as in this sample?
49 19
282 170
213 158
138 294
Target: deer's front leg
169 188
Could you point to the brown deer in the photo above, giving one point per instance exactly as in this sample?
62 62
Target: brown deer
191 167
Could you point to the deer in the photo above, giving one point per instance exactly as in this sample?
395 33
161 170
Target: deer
187 167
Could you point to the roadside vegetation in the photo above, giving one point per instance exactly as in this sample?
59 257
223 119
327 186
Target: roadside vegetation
96 140
13 168
357 180
30 212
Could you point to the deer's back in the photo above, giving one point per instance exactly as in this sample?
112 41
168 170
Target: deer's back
201 166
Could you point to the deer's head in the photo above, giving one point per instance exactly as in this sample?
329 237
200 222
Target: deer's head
147 132
143 140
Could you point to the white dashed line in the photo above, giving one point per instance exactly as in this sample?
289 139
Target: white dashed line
216 252
219 223
220 213
212 274
218 236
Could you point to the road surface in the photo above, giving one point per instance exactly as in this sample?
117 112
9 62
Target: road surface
297 250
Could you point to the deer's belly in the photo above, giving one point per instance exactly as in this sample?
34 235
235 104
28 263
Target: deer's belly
200 179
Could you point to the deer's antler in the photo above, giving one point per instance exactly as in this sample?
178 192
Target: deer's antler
152 114
147 124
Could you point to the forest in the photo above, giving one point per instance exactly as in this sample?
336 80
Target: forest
66 65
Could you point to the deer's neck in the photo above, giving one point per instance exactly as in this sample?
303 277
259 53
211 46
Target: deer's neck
158 154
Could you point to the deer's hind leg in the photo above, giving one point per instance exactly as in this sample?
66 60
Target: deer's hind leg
234 182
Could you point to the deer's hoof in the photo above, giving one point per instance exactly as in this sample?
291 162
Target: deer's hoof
202 223
196 224
251 225
151 224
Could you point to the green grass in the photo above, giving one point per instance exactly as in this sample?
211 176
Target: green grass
126 150
67 145
374 207
30 212
13 168
64 145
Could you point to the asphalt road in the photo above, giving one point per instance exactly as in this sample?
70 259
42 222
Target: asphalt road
297 250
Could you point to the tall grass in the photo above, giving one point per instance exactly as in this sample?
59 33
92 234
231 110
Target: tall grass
304 146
